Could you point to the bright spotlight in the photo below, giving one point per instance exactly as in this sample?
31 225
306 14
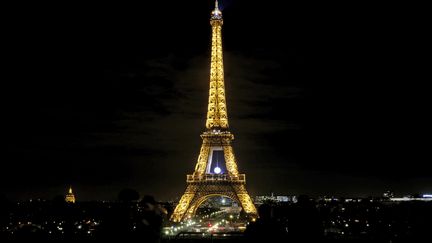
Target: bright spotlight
217 170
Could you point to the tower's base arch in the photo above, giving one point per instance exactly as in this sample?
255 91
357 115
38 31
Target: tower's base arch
198 192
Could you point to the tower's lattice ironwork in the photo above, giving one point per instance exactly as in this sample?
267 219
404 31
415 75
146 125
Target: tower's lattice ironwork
205 182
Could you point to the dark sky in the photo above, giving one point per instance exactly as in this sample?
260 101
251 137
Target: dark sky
322 99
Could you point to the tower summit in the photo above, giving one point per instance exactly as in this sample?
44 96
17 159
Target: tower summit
216 13
217 116
216 172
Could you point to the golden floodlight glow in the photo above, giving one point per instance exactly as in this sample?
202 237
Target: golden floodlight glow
70 197
203 183
217 116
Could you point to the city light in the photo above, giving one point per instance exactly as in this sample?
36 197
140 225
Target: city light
115 148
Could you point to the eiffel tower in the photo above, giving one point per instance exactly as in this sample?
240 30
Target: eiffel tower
216 172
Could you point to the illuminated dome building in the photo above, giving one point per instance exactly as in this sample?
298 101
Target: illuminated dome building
70 197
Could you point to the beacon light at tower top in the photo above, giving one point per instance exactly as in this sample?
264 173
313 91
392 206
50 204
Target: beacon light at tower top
216 13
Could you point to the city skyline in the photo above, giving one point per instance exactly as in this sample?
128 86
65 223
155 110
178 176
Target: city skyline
117 99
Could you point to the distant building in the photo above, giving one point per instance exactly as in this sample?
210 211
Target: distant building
388 194
424 197
275 199
70 197
282 198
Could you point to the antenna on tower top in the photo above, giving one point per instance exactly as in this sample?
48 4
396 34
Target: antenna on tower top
216 13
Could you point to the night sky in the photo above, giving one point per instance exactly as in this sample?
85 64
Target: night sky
322 100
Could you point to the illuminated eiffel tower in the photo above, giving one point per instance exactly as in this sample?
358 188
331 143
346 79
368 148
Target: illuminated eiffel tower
216 172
